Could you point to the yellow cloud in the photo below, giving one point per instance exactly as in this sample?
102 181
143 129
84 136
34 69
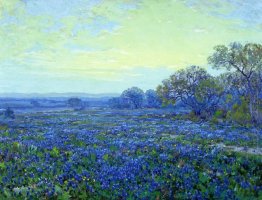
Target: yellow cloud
156 34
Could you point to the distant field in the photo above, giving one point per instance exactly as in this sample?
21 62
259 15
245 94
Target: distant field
135 154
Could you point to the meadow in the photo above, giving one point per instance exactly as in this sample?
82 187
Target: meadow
127 154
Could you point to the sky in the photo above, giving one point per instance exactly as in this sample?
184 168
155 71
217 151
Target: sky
107 46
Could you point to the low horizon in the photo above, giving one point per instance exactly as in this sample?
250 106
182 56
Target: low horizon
130 99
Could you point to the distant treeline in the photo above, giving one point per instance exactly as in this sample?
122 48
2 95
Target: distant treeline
234 95
134 98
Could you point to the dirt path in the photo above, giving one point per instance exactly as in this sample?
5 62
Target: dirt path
254 151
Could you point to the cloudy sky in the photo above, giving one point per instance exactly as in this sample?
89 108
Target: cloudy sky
106 46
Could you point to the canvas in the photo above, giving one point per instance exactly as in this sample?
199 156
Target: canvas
130 99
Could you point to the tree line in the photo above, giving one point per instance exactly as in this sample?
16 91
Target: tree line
235 94
134 98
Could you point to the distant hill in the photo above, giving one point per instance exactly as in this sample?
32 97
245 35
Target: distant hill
56 95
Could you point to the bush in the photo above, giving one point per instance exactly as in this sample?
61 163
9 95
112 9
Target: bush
55 152
193 117
240 113
132 98
77 104
9 113
218 116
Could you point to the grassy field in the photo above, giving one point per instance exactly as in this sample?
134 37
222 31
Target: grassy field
117 154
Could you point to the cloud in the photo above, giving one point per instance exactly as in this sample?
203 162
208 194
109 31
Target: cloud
53 24
247 12
100 40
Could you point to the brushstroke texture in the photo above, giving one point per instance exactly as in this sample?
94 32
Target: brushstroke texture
107 46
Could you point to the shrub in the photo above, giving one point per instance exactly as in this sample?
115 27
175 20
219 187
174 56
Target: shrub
240 113
2 166
16 147
193 117
220 114
77 104
132 98
55 152
9 113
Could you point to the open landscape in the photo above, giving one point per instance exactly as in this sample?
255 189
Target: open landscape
104 153
130 100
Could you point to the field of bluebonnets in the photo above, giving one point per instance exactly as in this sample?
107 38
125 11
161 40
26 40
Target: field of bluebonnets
135 154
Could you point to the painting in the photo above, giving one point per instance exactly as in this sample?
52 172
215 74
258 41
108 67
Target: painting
130 99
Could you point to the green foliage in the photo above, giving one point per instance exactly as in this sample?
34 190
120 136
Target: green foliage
7 193
22 191
163 93
229 98
194 87
105 157
93 157
219 114
16 147
193 117
32 149
206 88
3 127
243 58
6 134
2 166
245 63
240 113
64 196
55 152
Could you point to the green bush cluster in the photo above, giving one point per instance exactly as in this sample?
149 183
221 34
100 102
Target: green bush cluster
193 117
240 113
55 152
218 116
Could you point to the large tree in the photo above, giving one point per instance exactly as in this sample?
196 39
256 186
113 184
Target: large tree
194 87
246 62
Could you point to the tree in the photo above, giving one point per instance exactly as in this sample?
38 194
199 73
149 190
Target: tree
76 103
232 90
246 62
166 93
133 97
117 102
194 87
152 99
